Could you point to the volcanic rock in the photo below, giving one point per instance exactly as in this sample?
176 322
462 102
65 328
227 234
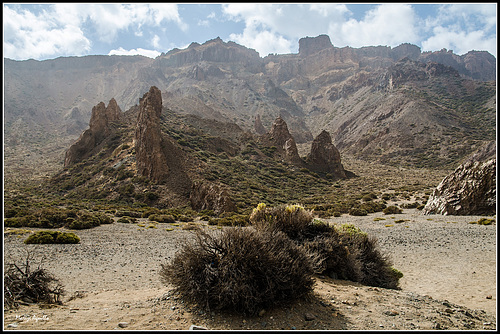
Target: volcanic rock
325 157
209 196
149 143
99 129
280 137
310 45
258 127
470 189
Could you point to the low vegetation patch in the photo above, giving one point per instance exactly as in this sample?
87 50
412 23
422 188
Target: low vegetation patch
52 237
392 210
483 221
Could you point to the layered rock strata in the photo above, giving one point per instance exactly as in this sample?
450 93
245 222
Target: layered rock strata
470 189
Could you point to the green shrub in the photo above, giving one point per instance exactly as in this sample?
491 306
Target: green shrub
135 214
483 221
18 221
392 210
52 237
127 220
162 218
358 212
232 220
240 269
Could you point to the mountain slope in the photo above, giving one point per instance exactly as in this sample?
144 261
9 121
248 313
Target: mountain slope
375 103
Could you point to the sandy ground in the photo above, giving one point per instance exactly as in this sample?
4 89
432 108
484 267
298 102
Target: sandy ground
112 281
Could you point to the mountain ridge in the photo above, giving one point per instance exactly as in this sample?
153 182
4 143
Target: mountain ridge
320 88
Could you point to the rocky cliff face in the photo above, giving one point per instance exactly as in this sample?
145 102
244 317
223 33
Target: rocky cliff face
470 189
325 157
99 129
310 45
149 142
480 65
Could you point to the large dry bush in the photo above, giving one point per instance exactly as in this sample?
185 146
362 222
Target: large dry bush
240 269
346 252
24 285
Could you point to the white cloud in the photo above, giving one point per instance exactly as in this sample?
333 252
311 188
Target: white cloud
462 28
387 24
156 42
134 52
30 36
459 41
64 29
276 28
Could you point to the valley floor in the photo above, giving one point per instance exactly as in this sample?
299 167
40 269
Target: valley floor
112 281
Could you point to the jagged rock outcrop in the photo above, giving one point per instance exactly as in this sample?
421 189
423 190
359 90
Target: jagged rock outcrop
258 127
280 137
209 196
149 142
325 157
470 189
99 129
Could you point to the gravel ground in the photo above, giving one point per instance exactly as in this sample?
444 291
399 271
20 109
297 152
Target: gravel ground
112 281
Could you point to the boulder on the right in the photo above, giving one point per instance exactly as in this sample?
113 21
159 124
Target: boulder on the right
470 189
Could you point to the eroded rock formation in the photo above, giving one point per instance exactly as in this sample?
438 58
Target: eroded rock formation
149 143
470 189
209 196
325 157
99 129
258 127
280 137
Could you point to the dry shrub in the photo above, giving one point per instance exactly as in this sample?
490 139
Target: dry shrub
376 268
240 269
22 285
289 219
346 252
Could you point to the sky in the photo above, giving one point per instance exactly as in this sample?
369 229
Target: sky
47 31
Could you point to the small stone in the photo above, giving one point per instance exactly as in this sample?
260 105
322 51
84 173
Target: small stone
196 328
309 316
13 325
486 323
489 297
173 308
391 313
449 310
123 324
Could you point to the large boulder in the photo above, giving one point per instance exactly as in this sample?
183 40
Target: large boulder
99 129
470 189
